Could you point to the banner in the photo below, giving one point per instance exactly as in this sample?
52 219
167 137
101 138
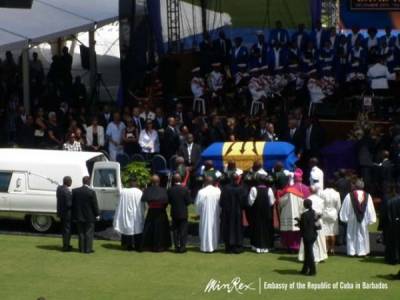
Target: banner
366 16
375 5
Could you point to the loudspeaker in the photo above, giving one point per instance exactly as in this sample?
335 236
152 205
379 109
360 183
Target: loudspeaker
16 3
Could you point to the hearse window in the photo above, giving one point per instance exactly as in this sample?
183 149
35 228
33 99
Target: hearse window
4 181
105 178
90 163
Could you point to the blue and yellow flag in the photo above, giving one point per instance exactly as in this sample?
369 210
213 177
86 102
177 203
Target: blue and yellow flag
246 153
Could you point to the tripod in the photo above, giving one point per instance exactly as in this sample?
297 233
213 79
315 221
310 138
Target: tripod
99 82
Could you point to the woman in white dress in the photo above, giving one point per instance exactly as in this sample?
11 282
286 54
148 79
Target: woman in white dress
330 216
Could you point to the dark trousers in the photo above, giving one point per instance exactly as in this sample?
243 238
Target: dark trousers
180 231
86 235
309 263
131 242
66 230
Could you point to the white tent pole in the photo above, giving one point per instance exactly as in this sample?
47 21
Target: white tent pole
26 80
92 60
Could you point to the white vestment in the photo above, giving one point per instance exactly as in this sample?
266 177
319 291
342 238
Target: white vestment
357 235
290 207
207 205
317 178
129 215
319 248
330 214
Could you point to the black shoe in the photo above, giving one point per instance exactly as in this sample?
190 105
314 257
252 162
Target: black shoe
177 250
312 274
182 250
67 249
89 252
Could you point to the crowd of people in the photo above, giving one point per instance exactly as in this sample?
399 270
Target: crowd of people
305 68
310 217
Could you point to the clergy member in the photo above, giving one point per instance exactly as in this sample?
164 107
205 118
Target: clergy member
261 200
290 206
156 235
358 212
207 206
233 200
129 216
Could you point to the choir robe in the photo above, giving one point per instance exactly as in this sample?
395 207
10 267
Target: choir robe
290 206
129 215
319 247
357 235
207 207
156 233
233 201
261 200
390 225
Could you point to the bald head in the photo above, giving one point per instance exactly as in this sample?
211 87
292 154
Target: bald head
208 180
155 180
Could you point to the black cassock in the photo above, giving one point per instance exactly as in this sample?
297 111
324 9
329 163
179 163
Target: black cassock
156 233
390 224
232 201
261 225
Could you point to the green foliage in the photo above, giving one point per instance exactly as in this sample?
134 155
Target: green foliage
139 170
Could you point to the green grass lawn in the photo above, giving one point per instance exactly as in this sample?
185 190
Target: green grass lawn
252 13
33 266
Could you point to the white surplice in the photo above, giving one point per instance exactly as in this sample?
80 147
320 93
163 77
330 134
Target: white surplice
330 214
129 215
207 206
319 248
290 207
357 235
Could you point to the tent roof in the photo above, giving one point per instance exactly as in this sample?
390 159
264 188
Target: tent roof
102 12
51 19
9 41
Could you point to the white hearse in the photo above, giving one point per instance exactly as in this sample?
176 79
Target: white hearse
29 179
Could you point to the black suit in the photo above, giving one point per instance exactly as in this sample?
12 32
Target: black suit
139 123
64 212
222 50
170 142
179 199
160 123
313 146
85 210
308 231
296 139
385 177
195 154
104 119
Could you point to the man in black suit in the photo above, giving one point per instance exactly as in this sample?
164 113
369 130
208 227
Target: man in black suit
171 139
313 138
385 174
308 231
137 120
85 213
190 151
222 48
159 121
294 135
105 117
64 211
179 199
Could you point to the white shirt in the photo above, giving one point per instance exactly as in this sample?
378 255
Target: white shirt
277 52
148 115
197 87
379 75
315 90
114 132
149 141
